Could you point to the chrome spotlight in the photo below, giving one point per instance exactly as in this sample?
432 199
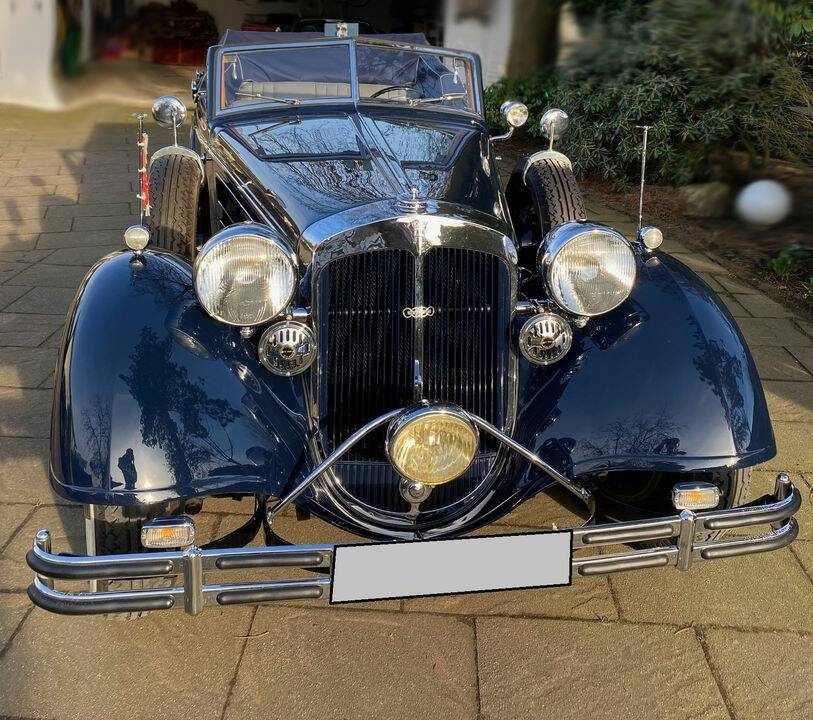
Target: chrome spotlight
169 111
545 338
287 348
136 237
553 125
650 237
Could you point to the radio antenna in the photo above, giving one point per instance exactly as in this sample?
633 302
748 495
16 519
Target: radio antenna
646 129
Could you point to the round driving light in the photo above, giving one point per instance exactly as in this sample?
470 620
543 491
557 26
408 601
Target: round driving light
136 237
589 269
651 237
287 348
245 275
432 445
514 112
545 338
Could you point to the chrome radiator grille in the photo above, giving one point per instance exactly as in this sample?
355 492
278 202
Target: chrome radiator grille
369 349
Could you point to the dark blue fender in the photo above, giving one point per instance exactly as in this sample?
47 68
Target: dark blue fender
154 400
665 382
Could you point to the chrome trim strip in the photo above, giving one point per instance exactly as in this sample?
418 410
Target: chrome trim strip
195 595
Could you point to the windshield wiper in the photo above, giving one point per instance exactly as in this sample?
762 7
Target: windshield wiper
440 98
261 96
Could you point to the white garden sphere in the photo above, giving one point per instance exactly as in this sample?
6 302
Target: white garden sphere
763 202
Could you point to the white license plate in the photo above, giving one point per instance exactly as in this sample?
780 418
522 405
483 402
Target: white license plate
383 571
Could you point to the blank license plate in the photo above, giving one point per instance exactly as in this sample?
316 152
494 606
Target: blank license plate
383 571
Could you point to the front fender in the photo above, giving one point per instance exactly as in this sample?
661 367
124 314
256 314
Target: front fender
665 382
154 400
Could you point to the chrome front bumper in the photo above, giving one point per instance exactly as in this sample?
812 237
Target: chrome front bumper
192 565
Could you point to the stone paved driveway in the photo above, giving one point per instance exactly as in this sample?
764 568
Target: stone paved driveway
728 640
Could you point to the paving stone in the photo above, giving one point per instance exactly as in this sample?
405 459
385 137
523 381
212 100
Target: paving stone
794 453
803 550
87 196
24 471
98 668
585 599
55 339
789 401
27 330
11 518
79 256
671 245
22 212
806 327
357 664
35 225
804 355
712 282
735 286
739 592
733 306
762 306
776 363
764 675
699 263
17 242
114 222
9 269
25 367
764 331
25 413
10 293
48 275
80 238
89 210
43 300
37 169
566 669
13 609
23 256
27 190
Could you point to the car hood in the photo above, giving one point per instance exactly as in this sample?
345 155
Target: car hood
305 166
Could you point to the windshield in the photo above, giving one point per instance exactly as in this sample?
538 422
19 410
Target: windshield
295 75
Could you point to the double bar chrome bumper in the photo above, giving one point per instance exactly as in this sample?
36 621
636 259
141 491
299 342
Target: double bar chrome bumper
192 565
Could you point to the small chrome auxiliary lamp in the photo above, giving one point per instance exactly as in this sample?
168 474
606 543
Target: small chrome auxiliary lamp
515 115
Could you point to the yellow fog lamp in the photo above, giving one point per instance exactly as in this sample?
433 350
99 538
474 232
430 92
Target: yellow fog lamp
695 496
432 444
168 532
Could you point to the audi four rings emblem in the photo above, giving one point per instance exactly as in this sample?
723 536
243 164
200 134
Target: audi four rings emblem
420 311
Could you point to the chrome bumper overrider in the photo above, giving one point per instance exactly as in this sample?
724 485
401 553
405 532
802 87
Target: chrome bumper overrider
191 566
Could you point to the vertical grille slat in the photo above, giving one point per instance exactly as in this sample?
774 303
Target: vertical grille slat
367 350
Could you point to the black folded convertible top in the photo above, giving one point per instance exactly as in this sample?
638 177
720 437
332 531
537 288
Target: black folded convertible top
250 37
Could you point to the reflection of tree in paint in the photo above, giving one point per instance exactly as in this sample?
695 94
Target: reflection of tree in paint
640 435
177 413
96 423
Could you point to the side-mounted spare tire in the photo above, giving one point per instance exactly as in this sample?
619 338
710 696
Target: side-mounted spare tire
543 193
175 185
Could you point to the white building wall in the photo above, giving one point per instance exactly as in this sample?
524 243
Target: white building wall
490 40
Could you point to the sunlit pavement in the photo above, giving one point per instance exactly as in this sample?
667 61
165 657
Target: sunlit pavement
732 639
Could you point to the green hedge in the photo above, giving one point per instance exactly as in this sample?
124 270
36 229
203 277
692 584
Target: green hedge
709 76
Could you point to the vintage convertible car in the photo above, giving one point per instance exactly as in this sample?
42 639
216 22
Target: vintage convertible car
337 307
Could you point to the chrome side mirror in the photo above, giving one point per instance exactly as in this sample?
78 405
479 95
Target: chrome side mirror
169 111
553 124
515 115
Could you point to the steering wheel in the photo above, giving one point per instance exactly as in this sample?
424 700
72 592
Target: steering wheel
390 88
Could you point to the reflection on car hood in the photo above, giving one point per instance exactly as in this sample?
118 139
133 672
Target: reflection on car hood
308 165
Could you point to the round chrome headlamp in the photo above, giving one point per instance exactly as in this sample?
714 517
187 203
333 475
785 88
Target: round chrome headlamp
434 444
589 269
245 275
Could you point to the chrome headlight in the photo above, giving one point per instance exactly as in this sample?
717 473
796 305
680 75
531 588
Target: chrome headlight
245 275
588 269
433 444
